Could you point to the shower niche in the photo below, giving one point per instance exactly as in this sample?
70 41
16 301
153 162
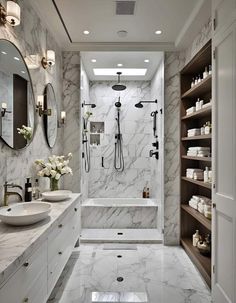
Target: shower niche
96 129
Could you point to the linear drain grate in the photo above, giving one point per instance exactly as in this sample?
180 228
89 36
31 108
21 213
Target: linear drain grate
121 297
119 246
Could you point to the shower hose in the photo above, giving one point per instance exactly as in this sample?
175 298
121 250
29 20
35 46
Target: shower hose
119 157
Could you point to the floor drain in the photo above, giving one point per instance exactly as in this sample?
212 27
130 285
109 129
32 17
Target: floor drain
119 234
120 279
119 256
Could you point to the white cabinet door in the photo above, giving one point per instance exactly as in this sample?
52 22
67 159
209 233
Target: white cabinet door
224 162
222 12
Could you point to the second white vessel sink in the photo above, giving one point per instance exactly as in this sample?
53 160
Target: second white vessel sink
25 213
56 195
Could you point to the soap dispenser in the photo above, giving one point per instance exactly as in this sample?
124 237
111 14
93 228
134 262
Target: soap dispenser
28 190
196 238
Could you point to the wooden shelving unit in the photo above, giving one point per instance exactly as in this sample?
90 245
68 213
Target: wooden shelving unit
191 219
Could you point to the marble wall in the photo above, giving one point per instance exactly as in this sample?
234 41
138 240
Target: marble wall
136 129
174 62
72 132
32 37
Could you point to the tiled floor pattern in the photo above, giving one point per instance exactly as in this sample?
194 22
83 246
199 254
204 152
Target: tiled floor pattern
165 274
103 235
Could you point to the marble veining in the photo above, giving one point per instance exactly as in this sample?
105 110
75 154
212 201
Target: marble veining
32 37
165 274
18 243
119 217
136 129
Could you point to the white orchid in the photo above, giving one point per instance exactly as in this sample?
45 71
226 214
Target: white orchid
26 131
55 168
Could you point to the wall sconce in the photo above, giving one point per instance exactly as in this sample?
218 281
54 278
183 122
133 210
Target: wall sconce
62 121
4 109
11 14
40 107
49 60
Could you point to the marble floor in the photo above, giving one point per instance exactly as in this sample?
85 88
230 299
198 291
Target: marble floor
129 273
128 235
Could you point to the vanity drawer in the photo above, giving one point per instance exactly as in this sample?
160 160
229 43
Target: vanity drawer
18 285
38 292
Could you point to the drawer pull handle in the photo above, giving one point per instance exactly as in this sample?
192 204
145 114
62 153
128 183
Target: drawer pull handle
76 209
26 300
60 225
60 252
26 264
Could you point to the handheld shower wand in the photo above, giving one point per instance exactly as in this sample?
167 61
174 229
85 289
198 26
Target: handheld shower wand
119 157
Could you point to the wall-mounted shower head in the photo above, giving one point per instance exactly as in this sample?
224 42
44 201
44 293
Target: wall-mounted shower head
119 86
140 105
89 104
118 103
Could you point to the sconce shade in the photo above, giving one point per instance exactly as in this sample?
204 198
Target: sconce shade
40 100
50 57
63 115
13 13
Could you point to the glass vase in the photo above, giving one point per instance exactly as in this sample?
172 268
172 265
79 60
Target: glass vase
54 184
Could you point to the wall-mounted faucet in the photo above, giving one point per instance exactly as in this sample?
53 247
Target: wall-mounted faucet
11 193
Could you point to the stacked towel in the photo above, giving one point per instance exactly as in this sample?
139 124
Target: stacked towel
194 132
190 110
200 203
198 151
194 173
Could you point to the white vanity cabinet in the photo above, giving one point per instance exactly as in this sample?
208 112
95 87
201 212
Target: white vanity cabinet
34 279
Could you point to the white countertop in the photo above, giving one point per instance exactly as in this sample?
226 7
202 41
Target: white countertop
17 243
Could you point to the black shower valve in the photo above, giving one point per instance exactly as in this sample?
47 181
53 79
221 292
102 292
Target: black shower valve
156 144
154 153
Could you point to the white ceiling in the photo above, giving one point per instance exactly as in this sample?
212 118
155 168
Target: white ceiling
98 16
128 59
179 21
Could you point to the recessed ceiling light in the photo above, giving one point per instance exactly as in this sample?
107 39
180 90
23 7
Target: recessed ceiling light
122 33
4 53
146 60
86 32
93 60
119 64
158 32
17 59
125 71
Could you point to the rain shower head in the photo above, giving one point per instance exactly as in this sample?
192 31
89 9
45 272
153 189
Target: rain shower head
139 105
119 86
118 103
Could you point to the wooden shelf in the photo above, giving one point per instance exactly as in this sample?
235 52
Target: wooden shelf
200 183
199 114
201 137
197 215
206 159
203 263
191 219
199 89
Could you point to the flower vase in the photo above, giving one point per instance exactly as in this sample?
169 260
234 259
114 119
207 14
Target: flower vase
54 184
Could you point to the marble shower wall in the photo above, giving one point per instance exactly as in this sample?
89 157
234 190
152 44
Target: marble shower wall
84 97
136 128
32 37
174 62
72 130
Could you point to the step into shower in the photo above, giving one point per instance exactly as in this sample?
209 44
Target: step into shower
103 235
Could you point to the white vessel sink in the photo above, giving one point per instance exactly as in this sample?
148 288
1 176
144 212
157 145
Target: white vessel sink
25 213
56 195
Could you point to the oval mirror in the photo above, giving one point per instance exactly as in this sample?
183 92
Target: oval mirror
17 104
50 119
